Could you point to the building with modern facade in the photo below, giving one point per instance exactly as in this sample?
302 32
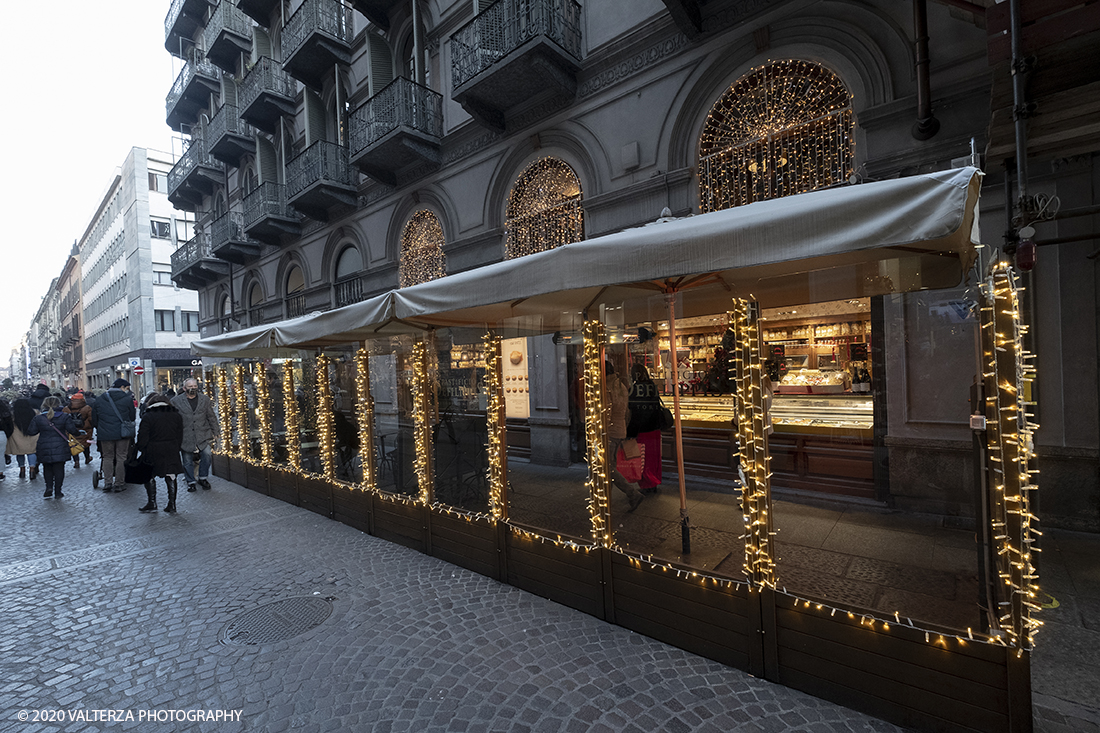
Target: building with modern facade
133 315
346 154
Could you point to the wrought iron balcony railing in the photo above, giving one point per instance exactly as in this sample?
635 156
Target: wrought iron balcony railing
227 228
227 121
194 157
267 76
200 66
267 199
295 306
320 162
402 103
228 17
506 25
190 252
325 16
349 290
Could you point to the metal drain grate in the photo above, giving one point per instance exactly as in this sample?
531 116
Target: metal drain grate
277 621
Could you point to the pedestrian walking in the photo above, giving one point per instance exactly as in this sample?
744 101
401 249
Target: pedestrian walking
20 444
82 416
618 397
113 416
39 393
159 439
645 425
7 425
200 427
52 426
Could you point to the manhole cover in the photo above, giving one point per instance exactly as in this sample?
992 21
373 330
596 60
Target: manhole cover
277 621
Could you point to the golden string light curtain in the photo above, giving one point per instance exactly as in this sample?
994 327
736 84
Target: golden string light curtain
544 209
422 257
781 129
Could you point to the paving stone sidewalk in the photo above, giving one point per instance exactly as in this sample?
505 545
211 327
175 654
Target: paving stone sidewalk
107 609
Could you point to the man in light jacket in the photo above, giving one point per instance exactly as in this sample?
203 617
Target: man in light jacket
200 427
111 411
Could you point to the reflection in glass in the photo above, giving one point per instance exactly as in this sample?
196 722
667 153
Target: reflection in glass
459 430
273 373
345 420
391 390
547 471
305 394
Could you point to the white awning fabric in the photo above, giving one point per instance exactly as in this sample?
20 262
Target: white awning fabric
892 236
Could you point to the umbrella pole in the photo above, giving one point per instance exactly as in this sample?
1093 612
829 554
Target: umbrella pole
685 530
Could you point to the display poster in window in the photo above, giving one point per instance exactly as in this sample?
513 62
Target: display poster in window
857 352
517 386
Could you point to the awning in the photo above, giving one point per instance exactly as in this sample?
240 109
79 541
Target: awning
893 236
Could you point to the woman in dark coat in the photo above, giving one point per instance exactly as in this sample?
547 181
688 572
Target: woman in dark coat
20 442
645 424
159 438
52 426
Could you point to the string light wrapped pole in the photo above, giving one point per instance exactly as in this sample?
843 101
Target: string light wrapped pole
263 410
326 427
497 430
224 412
421 429
595 428
753 444
293 431
1010 434
366 418
241 400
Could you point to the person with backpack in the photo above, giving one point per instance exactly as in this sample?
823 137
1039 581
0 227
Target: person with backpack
113 415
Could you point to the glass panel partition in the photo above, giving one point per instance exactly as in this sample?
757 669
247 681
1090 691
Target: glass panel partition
273 374
305 393
391 377
345 415
543 362
253 425
459 429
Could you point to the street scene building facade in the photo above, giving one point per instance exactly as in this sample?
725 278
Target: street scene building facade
353 159
137 324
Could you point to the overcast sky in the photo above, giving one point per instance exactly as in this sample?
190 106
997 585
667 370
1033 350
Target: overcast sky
83 82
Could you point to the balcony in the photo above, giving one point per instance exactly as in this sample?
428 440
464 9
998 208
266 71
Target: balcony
317 37
296 305
183 19
349 290
230 138
228 34
230 242
397 128
191 92
259 10
266 95
319 179
514 53
377 11
194 175
267 216
194 266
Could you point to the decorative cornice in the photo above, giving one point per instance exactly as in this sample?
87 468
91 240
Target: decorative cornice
618 69
450 155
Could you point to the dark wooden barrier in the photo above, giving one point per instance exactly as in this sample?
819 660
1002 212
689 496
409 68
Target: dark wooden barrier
238 471
220 465
258 479
893 673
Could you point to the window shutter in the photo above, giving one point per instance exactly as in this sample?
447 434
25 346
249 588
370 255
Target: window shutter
229 91
266 161
261 44
315 118
381 63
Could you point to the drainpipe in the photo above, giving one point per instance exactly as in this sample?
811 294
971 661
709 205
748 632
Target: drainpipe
926 125
1020 112
418 45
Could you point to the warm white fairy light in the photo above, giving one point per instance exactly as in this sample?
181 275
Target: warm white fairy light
366 419
596 435
421 428
326 428
544 209
293 433
753 441
225 411
781 129
422 257
263 410
1010 435
241 398
494 418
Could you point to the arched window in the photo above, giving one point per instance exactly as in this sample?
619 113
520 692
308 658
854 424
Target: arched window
544 209
295 299
781 129
422 256
255 301
349 287
226 310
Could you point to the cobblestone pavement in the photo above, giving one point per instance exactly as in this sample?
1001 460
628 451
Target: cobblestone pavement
107 609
